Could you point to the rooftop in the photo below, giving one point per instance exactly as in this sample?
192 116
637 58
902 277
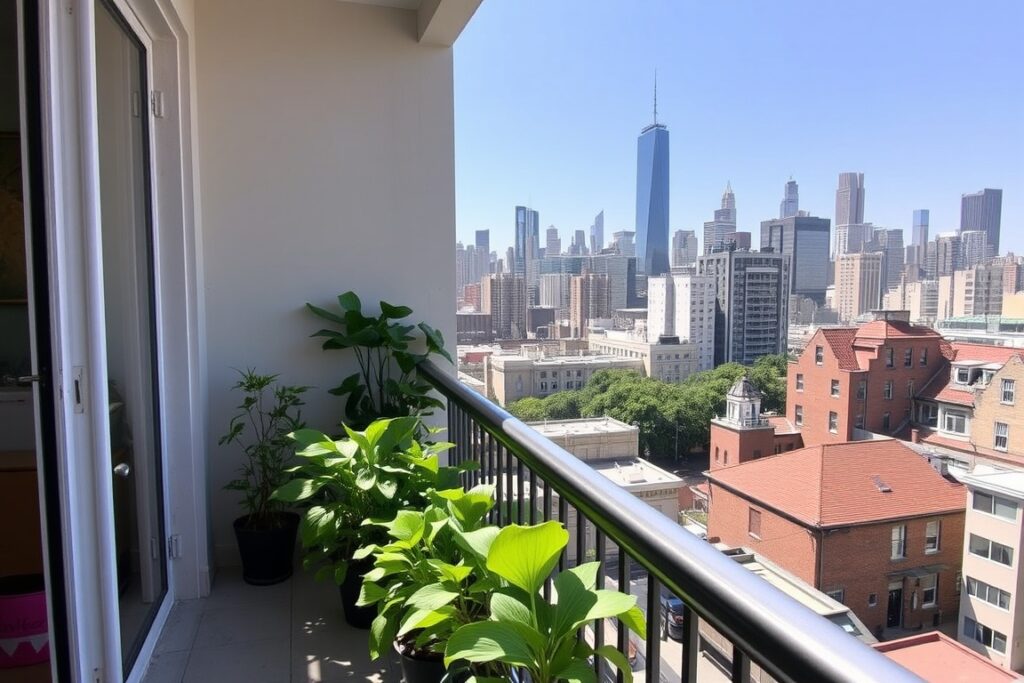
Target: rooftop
581 426
1005 482
845 484
963 351
636 472
895 329
938 658
565 360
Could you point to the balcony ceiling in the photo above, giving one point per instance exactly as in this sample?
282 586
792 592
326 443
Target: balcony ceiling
400 4
439 21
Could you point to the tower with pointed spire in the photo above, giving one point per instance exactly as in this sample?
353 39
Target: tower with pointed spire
652 199
724 223
742 434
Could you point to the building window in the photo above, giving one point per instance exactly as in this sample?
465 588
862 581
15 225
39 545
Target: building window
931 536
997 552
899 542
833 422
862 390
872 599
836 594
835 387
886 422
579 373
543 386
858 421
754 523
963 376
889 360
984 635
1002 431
928 414
955 423
798 415
543 374
716 453
995 505
799 381
990 594
887 390
1008 391
908 358
929 590
819 355
924 357
910 388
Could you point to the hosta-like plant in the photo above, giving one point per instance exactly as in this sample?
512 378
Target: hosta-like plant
370 474
526 631
431 577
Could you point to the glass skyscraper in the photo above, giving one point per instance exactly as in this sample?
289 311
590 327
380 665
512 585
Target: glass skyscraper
652 200
527 238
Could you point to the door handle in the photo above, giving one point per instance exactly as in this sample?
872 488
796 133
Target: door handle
122 469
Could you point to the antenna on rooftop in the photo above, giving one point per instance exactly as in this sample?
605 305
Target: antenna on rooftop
655 97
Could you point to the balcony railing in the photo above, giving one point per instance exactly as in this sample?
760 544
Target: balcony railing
767 628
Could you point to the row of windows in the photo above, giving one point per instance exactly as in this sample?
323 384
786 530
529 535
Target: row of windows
554 374
932 537
554 385
862 388
929 585
890 357
995 505
984 635
989 594
997 552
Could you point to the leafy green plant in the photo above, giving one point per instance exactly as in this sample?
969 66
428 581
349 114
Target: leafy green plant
524 630
386 384
369 474
431 577
267 414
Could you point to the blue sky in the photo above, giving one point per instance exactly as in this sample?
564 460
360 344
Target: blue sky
925 98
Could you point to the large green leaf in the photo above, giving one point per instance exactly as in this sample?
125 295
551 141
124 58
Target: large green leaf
432 596
510 609
634 619
575 599
394 312
297 490
578 671
408 525
525 555
618 660
366 478
489 641
349 301
424 618
325 314
477 543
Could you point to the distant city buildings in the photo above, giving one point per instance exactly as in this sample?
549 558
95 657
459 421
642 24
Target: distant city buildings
527 238
685 249
724 223
666 358
790 205
589 299
597 234
652 197
553 244
510 378
683 305
623 245
806 240
858 284
504 297
983 211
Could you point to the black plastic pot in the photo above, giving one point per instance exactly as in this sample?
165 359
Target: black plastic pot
267 551
421 669
358 617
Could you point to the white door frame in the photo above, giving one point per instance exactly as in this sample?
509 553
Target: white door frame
71 163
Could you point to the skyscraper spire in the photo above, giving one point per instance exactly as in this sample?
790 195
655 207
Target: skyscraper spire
655 97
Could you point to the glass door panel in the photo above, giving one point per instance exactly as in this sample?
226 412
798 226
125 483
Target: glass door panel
130 315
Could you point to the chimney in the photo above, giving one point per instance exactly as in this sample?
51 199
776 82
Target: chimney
915 436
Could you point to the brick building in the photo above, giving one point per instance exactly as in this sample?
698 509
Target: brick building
743 434
870 523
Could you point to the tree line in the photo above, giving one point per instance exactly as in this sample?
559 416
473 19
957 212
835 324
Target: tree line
672 417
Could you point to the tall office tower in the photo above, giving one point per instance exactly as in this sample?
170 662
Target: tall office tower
971 291
483 241
790 205
723 224
622 243
858 284
890 243
460 268
850 199
948 253
579 244
510 261
684 248
973 247
931 260
850 239
752 303
916 251
554 293
504 297
597 234
983 211
652 179
553 246
588 300
527 236
621 272
683 305
806 240
919 236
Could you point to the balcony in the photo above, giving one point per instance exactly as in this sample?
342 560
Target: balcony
294 631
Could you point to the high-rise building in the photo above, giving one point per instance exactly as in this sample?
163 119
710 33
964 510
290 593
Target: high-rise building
948 254
790 205
504 297
919 297
976 291
554 293
850 239
850 199
919 236
973 247
527 238
553 245
916 253
683 305
724 223
752 303
684 248
806 240
597 234
588 300
983 211
652 183
483 241
579 244
858 284
888 241
622 243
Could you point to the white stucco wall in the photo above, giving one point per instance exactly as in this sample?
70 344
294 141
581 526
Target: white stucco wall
326 160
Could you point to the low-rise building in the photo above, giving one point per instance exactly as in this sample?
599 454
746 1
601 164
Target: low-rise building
665 358
510 378
937 658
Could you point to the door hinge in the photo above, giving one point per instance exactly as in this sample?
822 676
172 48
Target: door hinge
78 388
156 101
174 546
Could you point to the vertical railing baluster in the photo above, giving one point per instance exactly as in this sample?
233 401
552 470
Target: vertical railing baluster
691 633
653 652
623 630
453 456
533 497
563 517
520 491
581 537
599 552
510 486
546 516
491 459
499 489
740 666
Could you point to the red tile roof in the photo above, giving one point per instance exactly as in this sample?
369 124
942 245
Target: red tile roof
937 658
984 352
890 329
839 484
840 340
945 390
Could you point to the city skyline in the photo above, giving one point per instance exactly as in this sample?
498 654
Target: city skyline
575 155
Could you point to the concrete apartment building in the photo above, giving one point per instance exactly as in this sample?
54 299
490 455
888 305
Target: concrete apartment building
588 300
504 296
510 378
683 305
666 358
971 291
918 297
871 524
859 281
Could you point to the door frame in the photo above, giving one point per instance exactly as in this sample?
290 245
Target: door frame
894 587
74 260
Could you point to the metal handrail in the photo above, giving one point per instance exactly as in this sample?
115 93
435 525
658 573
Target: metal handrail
788 640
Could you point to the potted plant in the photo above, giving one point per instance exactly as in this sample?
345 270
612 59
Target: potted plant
386 384
266 532
369 474
429 579
526 632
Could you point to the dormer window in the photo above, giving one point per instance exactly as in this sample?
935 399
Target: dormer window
962 376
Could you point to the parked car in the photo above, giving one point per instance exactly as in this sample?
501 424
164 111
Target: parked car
671 616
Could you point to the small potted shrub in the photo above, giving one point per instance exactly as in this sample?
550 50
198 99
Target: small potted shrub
369 474
523 631
386 384
266 532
